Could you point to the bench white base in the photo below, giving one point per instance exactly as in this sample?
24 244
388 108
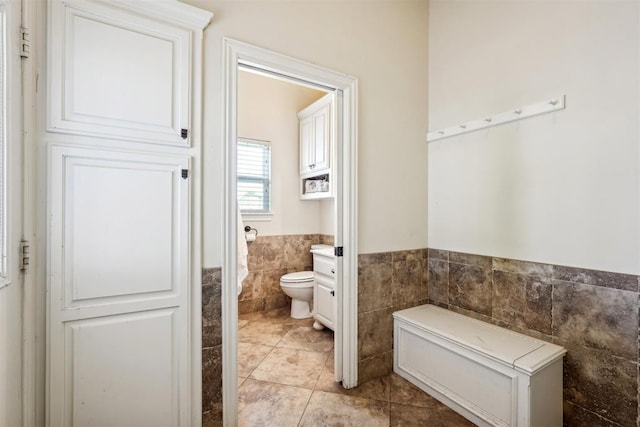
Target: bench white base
479 386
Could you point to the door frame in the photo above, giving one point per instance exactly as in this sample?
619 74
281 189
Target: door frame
239 53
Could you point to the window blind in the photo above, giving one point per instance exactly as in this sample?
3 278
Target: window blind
254 176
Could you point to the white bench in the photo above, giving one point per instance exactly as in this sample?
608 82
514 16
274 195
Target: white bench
490 375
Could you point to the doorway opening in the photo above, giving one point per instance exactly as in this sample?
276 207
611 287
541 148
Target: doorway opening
343 91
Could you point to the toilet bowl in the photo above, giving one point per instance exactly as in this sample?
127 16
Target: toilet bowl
299 286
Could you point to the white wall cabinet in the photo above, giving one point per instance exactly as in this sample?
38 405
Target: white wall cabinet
123 182
315 137
324 288
316 148
118 74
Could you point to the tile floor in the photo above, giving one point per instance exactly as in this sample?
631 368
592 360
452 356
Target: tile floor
286 379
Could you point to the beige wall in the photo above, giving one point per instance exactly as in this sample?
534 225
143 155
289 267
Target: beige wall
267 110
384 45
560 188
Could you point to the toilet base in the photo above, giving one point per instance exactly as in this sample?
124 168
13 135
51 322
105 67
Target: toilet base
318 326
300 309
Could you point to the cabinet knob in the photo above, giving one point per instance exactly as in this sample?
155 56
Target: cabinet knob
333 293
333 271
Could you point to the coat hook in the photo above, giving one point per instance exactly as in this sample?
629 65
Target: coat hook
463 126
518 111
488 119
553 102
441 132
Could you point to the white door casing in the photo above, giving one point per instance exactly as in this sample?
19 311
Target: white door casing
345 115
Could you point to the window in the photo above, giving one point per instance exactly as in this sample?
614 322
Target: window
254 176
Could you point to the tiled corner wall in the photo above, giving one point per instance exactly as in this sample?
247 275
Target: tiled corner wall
593 314
271 257
387 282
211 347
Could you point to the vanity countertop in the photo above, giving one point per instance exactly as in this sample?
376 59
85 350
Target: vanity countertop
325 250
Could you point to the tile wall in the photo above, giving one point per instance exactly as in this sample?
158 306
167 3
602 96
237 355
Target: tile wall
387 282
593 314
271 257
211 347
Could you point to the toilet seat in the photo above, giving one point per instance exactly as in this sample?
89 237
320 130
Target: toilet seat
297 277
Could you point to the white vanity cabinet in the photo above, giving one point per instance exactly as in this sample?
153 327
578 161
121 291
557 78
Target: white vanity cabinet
324 287
316 149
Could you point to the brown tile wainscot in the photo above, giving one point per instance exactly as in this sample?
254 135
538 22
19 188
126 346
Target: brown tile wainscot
593 314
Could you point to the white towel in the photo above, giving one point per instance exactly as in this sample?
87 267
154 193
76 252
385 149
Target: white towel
243 252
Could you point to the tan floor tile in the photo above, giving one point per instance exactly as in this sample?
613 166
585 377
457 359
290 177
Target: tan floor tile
403 392
307 338
255 316
279 316
283 316
328 409
278 389
293 367
377 389
262 333
268 404
249 356
242 323
437 416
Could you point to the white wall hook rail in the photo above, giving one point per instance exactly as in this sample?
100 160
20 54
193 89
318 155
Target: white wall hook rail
513 115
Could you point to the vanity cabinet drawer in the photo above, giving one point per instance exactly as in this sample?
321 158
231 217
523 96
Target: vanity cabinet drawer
324 265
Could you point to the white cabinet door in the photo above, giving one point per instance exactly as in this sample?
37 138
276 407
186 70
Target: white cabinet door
324 302
315 137
321 138
116 74
118 290
306 141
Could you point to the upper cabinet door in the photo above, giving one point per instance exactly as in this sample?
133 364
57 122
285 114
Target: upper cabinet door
322 137
315 136
98 84
306 141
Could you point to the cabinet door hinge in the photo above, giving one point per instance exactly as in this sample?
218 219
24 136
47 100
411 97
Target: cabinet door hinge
24 255
25 42
338 250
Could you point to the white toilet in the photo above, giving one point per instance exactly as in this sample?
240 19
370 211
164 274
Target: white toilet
299 286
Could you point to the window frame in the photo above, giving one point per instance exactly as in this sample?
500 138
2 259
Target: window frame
266 179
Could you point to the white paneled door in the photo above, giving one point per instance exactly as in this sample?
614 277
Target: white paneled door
119 288
11 215
101 56
123 146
